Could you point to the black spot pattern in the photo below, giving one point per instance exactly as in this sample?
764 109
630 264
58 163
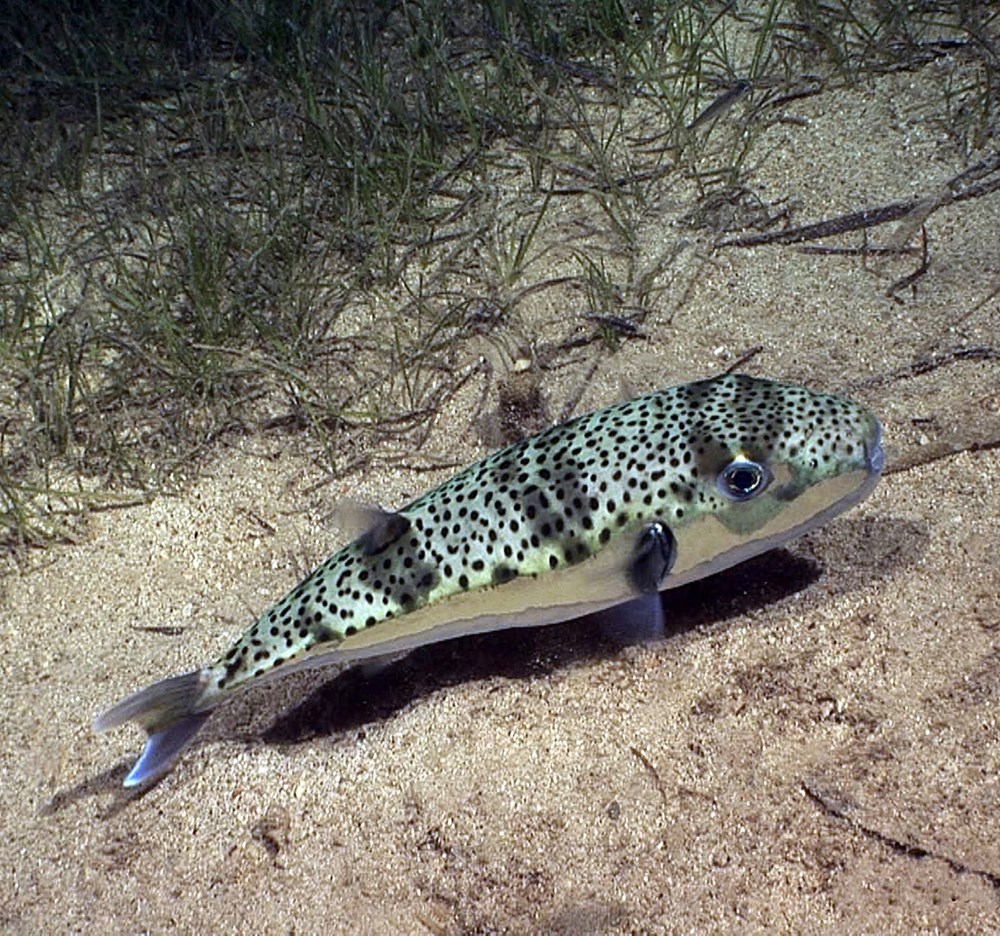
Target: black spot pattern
554 500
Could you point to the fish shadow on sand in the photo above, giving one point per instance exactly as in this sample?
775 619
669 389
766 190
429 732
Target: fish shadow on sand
357 699
313 705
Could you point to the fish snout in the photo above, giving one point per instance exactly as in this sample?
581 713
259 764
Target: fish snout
874 452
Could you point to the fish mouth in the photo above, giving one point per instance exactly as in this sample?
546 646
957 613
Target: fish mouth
874 452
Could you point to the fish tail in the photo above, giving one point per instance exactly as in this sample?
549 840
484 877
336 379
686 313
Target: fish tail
171 711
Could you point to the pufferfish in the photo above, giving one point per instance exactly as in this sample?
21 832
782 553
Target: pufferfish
608 508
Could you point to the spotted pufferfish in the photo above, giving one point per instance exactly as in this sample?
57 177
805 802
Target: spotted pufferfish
608 508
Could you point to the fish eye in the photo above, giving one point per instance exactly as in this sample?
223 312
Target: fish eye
740 480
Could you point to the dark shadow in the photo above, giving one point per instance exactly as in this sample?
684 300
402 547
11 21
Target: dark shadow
353 700
840 554
871 547
106 783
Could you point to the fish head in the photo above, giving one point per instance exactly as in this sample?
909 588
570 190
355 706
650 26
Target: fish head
760 463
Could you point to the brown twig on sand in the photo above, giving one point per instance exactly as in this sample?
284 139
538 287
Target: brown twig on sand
937 451
864 250
652 771
911 278
956 442
747 355
925 364
833 806
974 182
854 221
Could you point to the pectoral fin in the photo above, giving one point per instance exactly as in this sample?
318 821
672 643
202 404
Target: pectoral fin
653 556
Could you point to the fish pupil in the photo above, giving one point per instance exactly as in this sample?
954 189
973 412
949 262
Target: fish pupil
742 480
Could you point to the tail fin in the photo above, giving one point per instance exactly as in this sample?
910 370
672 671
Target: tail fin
171 711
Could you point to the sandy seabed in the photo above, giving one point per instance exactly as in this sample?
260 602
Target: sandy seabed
815 745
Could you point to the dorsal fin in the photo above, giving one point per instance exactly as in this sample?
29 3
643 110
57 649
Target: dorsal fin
381 527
